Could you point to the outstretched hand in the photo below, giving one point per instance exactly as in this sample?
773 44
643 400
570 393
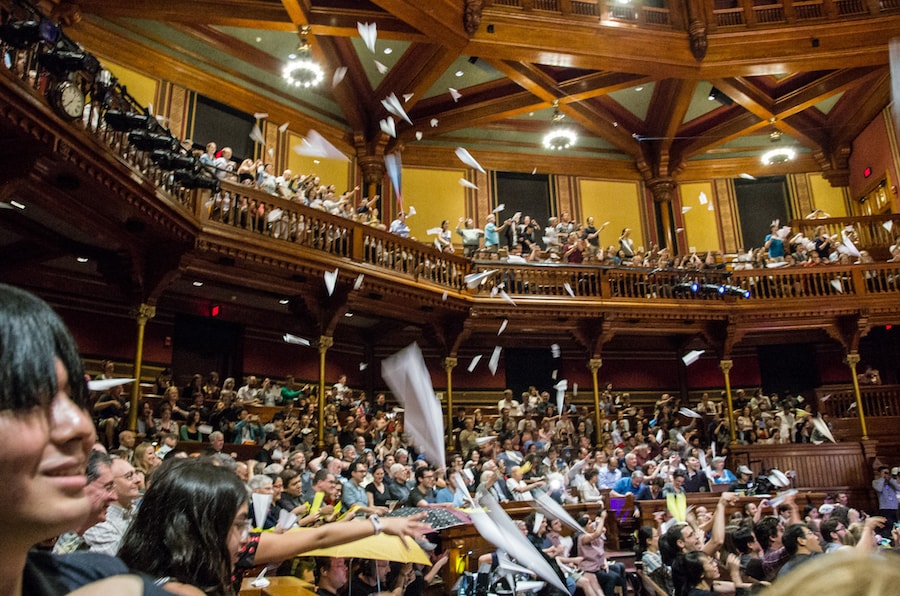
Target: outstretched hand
404 527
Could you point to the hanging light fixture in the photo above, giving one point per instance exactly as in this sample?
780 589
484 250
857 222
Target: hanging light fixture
777 156
559 136
303 71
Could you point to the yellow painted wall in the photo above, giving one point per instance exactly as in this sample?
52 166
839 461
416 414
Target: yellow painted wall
700 224
436 195
141 87
826 197
619 203
330 171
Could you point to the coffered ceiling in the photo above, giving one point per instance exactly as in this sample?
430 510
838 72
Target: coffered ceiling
637 95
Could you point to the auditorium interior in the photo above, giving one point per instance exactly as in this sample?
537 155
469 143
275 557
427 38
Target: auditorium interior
695 124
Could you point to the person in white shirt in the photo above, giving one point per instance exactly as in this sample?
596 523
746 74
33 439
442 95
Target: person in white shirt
515 408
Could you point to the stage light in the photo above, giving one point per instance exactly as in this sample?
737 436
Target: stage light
191 179
127 121
62 62
148 141
21 34
170 160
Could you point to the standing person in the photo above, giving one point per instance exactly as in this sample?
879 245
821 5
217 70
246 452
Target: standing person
471 236
445 238
774 245
886 488
492 233
45 438
591 235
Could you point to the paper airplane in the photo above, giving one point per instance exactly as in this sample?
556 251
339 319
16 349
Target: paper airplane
534 171
293 339
689 413
503 326
888 225
685 209
836 284
381 67
339 73
315 145
820 425
394 169
434 122
260 115
474 362
568 289
406 374
473 280
495 360
692 357
283 128
104 384
388 126
454 94
555 350
466 157
256 135
392 105
467 184
274 215
363 366
499 208
407 97
411 211
419 135
369 33
434 231
330 280
703 199
260 507
575 389
709 207
444 296
506 297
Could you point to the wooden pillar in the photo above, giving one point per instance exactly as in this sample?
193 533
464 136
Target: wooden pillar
663 191
594 364
325 342
852 361
449 365
145 312
726 365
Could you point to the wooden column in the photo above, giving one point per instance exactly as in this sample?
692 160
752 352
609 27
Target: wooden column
726 365
325 342
449 365
594 364
852 361
144 313
663 190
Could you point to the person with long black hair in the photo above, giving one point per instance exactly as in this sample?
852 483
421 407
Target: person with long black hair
194 527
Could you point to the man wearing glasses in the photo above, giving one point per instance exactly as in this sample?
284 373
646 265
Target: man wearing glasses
106 536
423 494
355 495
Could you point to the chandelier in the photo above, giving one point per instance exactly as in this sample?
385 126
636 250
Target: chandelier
303 71
559 136
778 156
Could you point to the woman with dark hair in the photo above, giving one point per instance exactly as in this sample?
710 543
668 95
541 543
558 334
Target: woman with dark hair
189 431
45 438
194 526
696 574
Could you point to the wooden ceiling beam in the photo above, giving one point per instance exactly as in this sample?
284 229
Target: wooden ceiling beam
440 20
354 92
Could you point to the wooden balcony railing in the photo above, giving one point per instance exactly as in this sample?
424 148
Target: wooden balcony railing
872 230
584 281
877 400
260 214
725 13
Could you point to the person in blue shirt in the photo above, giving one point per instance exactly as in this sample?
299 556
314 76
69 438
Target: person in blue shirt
775 245
628 485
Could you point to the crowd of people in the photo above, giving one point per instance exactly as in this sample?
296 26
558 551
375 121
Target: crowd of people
177 523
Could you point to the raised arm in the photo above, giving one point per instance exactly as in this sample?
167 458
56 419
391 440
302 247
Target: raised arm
278 547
